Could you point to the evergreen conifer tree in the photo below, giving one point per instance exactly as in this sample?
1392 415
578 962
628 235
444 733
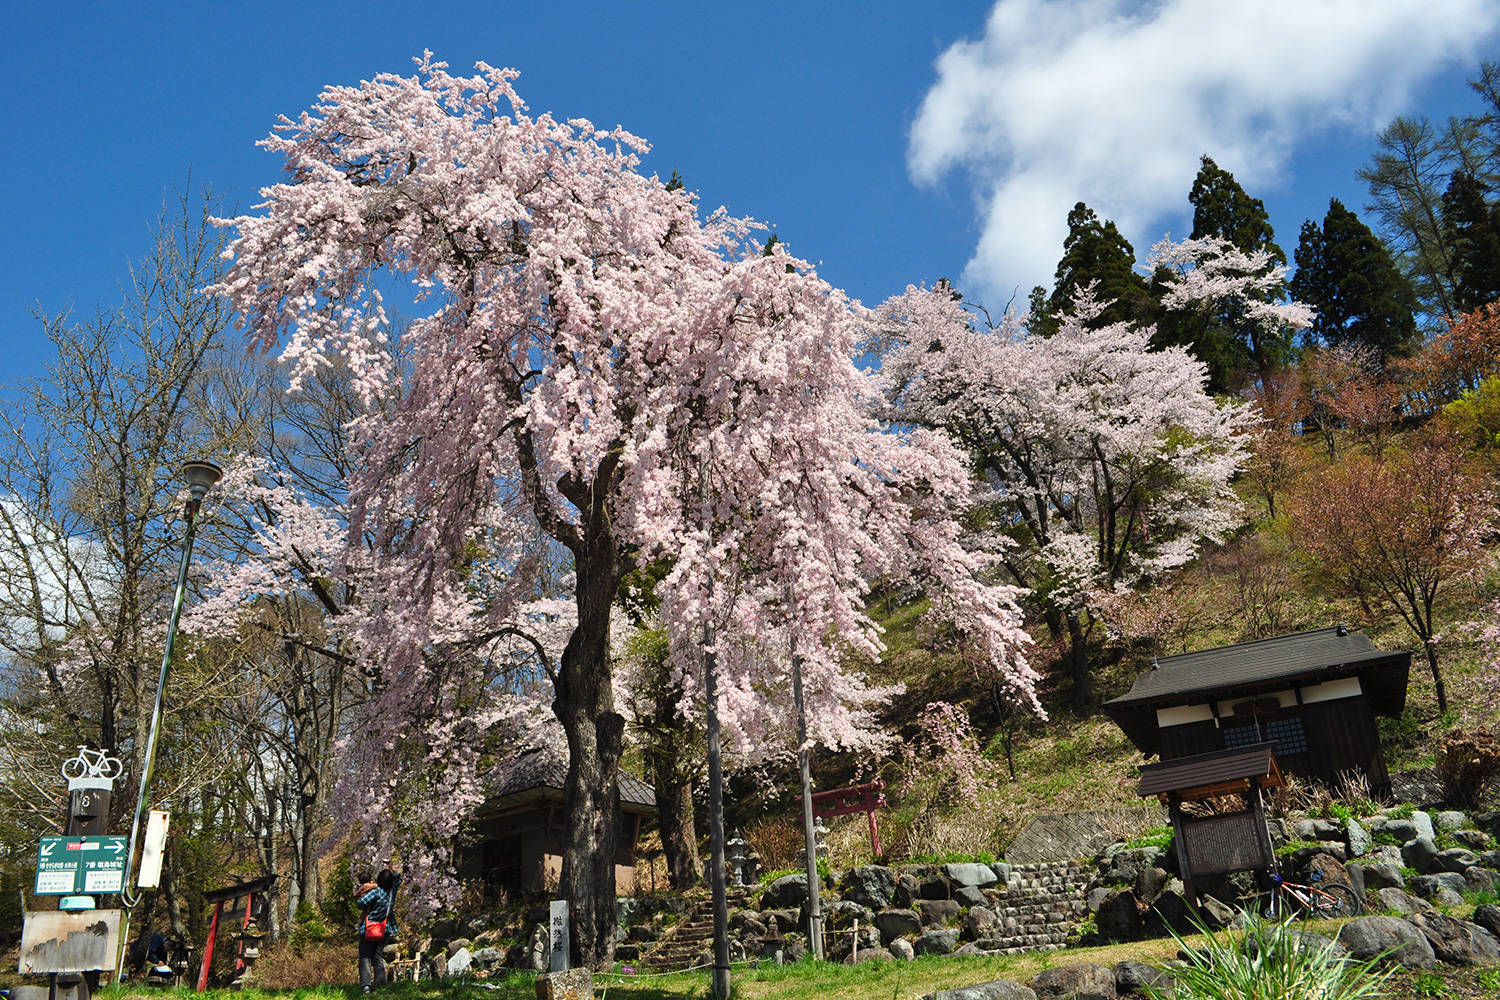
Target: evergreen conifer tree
1348 275
1094 251
1225 341
1471 227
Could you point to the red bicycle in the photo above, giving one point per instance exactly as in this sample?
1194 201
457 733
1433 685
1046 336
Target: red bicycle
1290 899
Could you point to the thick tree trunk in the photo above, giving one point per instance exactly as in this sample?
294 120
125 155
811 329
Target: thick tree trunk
585 705
670 738
1078 661
674 818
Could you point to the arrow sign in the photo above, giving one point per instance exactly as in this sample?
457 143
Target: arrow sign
67 866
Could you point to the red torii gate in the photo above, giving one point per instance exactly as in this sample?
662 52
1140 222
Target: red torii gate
219 897
864 798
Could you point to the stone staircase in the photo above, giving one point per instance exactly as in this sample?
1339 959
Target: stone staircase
1039 907
691 941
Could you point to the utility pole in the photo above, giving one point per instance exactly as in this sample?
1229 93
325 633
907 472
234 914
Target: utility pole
716 820
810 840
200 476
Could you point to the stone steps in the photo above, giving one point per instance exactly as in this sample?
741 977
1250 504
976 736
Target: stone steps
691 937
1039 907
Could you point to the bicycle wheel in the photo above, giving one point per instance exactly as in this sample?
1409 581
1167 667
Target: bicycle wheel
112 767
1336 900
74 767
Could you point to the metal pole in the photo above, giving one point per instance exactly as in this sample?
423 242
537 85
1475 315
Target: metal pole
127 894
716 821
810 841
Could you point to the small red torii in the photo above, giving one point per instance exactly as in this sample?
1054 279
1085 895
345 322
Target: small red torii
864 798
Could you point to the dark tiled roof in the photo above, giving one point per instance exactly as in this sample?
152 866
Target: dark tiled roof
542 767
1247 664
1206 770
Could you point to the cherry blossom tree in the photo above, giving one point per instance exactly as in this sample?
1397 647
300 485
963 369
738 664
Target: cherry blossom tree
1108 462
599 364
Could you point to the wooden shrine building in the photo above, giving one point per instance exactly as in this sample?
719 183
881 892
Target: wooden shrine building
1223 840
1313 695
515 841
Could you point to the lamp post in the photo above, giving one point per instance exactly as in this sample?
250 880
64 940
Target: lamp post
200 476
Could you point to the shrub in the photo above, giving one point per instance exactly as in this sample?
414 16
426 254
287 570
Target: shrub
1158 837
1467 762
1429 984
778 842
1222 968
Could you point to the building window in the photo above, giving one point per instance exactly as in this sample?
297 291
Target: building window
1286 732
1241 736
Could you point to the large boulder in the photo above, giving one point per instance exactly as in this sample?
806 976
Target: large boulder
894 924
1317 829
1075 981
977 875
998 989
1401 901
1488 917
1384 875
1446 898
1358 838
935 887
1474 840
979 922
938 941
1449 820
488 958
1482 879
968 895
1456 941
842 914
1399 941
1454 859
1418 854
869 885
906 890
1125 866
787 892
1323 868
1423 822
1401 829
1170 912
1299 857
1150 883
1385 853
1427 886
459 963
1119 917
936 912
1132 977
902 949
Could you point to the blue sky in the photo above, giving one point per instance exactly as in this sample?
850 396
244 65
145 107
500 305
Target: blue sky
893 142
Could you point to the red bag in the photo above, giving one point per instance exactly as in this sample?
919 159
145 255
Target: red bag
374 930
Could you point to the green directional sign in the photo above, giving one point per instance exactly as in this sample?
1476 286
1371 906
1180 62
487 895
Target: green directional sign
66 866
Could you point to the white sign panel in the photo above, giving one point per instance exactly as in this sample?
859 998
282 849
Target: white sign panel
151 853
561 948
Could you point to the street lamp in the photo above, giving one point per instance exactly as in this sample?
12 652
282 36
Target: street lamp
201 477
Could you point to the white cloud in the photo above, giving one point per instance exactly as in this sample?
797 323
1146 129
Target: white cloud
1112 102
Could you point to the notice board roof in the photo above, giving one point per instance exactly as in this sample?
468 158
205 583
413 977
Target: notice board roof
1217 773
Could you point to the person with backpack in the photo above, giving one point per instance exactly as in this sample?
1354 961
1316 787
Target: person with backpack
377 902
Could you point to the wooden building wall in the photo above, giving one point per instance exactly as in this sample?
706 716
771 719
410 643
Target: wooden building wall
1340 735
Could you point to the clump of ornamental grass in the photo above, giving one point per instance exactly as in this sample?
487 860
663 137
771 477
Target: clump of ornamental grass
1270 962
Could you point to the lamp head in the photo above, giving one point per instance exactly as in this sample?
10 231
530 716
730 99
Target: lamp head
201 476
